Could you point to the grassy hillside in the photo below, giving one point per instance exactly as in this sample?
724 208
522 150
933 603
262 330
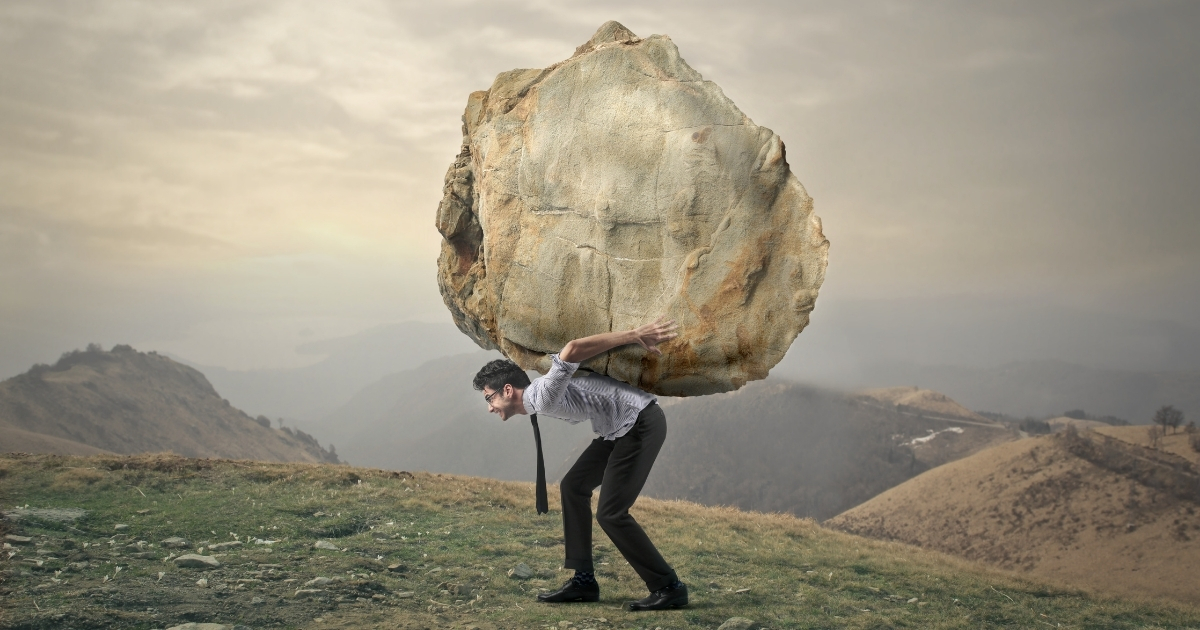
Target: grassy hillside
125 401
434 551
1089 508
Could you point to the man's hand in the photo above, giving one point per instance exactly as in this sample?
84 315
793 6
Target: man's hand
650 335
647 336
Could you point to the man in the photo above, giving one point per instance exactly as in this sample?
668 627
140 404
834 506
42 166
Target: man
631 427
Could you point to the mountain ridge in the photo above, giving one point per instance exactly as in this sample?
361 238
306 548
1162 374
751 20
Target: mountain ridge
124 401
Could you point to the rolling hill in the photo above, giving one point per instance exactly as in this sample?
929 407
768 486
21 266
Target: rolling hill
125 401
1092 508
1048 388
776 446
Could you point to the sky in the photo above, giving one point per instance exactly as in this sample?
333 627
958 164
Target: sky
226 181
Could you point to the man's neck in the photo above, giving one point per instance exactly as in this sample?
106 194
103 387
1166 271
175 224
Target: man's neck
521 401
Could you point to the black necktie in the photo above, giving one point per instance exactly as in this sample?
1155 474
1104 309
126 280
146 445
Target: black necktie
543 505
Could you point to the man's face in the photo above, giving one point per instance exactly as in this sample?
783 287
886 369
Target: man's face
502 401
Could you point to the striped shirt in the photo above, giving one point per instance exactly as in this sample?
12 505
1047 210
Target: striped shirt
611 406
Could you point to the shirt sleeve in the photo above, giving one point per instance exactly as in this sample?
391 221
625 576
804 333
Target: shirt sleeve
553 385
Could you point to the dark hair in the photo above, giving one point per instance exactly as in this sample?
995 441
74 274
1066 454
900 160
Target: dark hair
496 374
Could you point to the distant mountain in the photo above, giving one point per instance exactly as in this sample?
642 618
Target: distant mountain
312 392
1094 508
127 402
1049 388
776 446
430 418
771 446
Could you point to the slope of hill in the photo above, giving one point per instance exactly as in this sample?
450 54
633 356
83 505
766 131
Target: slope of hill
312 392
1083 507
924 402
125 401
435 551
778 446
1045 388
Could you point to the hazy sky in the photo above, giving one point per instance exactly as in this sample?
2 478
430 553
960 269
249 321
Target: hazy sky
226 180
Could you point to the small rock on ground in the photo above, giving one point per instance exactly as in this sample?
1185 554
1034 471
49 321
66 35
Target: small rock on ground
737 623
194 561
175 542
520 572
208 627
325 544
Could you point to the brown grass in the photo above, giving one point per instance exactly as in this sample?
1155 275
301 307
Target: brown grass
77 479
1035 507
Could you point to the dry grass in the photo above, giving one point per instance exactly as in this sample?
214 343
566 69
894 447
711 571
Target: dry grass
1036 507
77 479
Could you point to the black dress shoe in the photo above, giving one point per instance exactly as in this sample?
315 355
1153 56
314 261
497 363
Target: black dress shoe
662 599
573 591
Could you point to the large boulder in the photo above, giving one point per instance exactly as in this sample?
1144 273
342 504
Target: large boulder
615 186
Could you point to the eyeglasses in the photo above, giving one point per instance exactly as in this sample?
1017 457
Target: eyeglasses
488 398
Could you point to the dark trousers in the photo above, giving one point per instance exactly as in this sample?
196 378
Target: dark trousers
620 468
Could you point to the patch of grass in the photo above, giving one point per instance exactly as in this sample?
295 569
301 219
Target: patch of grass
452 541
76 479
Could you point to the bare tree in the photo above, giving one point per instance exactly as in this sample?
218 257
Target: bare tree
1155 433
1168 416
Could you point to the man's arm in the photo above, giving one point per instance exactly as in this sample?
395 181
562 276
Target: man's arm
647 336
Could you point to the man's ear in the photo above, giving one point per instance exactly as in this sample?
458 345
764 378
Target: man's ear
508 390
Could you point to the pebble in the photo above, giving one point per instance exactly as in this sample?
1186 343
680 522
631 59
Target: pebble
520 572
405 594
325 544
318 581
191 560
397 568
737 623
307 592
202 582
208 627
175 542
225 545
18 540
120 527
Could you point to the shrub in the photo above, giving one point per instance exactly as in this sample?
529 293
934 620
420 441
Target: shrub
263 421
1195 441
1155 433
1076 414
1034 427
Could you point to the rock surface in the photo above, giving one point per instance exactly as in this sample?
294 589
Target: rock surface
196 561
616 186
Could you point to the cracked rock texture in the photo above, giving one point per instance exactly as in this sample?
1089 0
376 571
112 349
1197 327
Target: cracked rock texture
616 186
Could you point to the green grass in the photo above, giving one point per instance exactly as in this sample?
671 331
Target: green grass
457 538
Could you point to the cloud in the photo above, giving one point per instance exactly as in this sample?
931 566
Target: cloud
241 167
